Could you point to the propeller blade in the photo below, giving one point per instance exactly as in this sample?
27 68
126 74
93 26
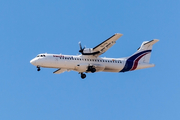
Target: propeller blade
81 49
80 46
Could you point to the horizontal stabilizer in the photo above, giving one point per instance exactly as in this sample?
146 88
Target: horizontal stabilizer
142 66
152 42
148 44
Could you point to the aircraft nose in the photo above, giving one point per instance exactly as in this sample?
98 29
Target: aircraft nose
33 61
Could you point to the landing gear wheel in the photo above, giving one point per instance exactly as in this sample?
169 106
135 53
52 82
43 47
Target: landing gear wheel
83 75
93 70
38 68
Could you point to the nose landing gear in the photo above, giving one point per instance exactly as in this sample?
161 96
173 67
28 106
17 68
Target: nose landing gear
38 68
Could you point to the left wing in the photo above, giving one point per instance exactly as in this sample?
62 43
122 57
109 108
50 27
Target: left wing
104 46
59 71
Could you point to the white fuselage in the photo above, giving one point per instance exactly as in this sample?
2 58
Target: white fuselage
81 63
78 63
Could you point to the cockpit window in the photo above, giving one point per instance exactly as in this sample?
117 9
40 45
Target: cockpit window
41 56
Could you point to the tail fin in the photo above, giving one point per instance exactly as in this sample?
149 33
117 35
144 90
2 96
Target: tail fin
141 58
144 52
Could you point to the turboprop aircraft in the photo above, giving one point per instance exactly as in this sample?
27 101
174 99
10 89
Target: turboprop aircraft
90 62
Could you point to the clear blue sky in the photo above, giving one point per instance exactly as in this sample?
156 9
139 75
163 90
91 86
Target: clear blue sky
28 28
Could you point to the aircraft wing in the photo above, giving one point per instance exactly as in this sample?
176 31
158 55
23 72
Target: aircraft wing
104 46
59 71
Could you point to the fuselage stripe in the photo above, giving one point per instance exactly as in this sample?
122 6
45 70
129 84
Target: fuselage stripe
130 61
136 61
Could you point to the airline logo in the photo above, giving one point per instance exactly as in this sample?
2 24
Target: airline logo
64 57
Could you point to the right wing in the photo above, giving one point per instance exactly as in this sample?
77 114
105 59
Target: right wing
59 71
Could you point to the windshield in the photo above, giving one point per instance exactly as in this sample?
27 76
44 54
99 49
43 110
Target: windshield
41 56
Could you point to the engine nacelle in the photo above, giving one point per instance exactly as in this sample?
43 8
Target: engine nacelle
88 50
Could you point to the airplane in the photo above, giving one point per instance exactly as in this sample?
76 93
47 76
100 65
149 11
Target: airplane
90 62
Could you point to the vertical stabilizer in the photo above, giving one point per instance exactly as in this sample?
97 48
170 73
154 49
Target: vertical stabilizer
141 58
146 46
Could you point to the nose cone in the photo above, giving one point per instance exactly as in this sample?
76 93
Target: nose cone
33 62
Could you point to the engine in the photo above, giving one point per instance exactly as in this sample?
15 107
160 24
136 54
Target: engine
88 50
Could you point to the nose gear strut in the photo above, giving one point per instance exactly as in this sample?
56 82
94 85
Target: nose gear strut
38 68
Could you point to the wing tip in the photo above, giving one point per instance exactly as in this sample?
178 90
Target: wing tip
118 34
157 40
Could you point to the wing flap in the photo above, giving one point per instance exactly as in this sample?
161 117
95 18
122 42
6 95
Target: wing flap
59 71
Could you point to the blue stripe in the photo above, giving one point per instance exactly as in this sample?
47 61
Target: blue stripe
130 61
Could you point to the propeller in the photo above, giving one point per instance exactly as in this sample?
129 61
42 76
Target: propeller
81 49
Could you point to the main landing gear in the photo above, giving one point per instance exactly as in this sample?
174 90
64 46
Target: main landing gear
83 75
38 68
91 69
